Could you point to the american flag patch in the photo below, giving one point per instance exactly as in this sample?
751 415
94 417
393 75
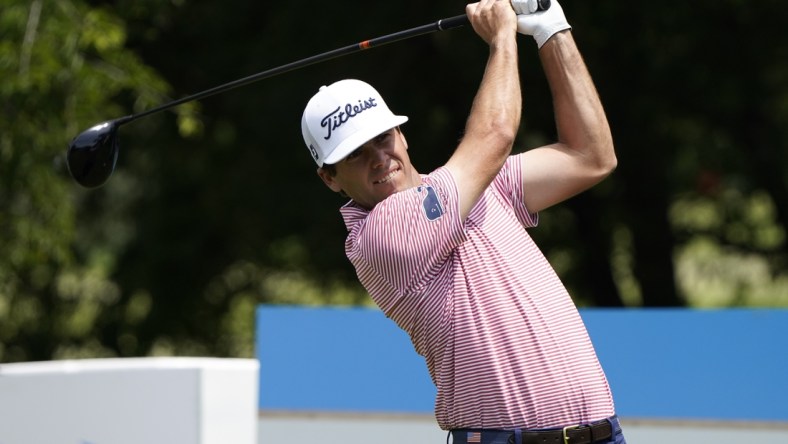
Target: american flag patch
474 437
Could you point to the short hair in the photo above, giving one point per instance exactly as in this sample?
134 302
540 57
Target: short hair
330 168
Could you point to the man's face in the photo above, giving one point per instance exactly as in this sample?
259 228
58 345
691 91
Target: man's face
376 170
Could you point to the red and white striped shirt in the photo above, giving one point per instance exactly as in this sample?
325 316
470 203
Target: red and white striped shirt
502 339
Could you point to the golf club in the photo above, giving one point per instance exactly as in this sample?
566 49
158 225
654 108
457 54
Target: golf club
92 155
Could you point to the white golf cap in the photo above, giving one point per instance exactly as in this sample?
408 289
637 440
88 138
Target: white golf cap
343 116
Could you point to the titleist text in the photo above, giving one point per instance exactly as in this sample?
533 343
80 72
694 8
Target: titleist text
337 118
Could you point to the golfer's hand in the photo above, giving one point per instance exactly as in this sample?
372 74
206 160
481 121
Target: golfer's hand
492 19
543 24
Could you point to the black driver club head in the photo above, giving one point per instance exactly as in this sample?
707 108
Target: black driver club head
92 155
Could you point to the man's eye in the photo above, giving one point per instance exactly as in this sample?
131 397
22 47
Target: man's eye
353 155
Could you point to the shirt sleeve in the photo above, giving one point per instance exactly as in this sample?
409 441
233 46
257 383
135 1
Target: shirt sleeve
509 183
407 238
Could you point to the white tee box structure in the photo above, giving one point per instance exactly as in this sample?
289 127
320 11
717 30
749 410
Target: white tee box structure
130 401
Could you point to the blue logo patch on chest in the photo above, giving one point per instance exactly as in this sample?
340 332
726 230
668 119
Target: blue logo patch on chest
431 203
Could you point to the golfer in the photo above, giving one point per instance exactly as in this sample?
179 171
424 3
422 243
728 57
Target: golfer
447 255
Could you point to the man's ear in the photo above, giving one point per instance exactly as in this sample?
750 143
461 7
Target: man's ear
329 180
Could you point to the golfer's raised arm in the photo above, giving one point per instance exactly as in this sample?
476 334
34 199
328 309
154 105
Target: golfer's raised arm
495 115
584 153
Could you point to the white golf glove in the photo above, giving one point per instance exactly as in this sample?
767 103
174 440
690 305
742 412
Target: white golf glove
541 25
524 6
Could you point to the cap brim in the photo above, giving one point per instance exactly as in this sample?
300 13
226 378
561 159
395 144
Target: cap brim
361 137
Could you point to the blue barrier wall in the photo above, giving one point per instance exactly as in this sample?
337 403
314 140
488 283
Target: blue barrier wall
661 363
349 359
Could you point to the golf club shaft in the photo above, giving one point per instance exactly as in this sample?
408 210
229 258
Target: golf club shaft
440 25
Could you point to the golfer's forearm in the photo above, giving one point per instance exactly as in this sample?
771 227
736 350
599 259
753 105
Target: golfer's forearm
491 126
495 115
580 117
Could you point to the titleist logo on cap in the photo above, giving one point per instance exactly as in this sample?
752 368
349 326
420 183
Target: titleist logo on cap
337 118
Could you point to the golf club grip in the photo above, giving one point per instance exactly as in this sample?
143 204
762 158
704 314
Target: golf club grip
453 22
462 20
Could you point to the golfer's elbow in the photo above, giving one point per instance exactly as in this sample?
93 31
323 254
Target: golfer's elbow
499 147
504 139
501 134
493 140
607 158
603 161
612 163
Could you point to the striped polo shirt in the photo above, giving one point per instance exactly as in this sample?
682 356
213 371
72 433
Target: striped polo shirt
502 339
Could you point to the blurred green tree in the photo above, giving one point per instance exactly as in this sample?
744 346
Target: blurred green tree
63 65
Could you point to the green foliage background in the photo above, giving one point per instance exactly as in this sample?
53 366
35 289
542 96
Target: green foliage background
215 207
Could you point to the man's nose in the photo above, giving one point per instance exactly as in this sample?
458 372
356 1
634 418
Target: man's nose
379 156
